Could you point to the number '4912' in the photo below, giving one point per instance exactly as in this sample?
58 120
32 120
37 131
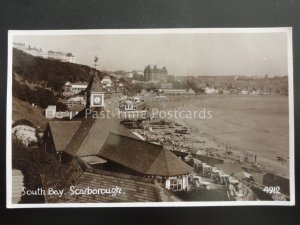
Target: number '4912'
272 190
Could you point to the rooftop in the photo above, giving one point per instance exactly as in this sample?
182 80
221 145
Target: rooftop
77 174
106 78
93 159
143 157
93 132
80 83
95 84
51 107
62 132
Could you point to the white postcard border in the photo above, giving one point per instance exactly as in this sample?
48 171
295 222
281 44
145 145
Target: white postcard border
12 33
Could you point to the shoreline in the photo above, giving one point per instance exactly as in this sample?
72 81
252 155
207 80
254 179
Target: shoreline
199 132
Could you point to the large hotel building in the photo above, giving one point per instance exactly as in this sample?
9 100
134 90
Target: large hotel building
155 74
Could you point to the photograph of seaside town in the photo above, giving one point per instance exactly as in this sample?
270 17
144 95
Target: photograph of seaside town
150 117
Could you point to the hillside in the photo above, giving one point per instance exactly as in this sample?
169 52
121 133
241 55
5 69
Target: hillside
52 73
23 110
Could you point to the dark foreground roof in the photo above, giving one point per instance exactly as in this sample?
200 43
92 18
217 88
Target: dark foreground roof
143 157
62 132
75 173
92 134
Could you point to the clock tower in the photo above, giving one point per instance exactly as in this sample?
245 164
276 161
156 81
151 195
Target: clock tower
97 99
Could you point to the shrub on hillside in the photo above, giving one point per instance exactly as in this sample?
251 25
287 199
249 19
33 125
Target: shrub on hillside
23 122
53 72
24 134
39 96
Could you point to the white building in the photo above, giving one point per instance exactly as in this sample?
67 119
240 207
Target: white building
50 111
175 91
129 75
226 92
20 46
70 58
191 91
244 92
74 88
75 101
177 183
34 51
211 90
38 52
79 86
106 81
127 105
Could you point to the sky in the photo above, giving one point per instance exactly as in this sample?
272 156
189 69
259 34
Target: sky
193 54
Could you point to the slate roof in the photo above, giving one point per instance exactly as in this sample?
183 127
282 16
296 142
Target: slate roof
92 133
143 157
62 132
93 159
79 175
77 108
62 178
95 84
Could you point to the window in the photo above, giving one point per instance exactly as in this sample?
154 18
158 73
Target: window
176 184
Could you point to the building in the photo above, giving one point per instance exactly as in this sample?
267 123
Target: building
19 46
106 81
35 52
133 109
95 93
146 159
244 92
50 112
78 100
180 78
255 92
191 91
129 75
74 88
170 78
61 56
226 92
127 105
211 90
57 136
70 58
38 52
175 91
79 174
138 75
155 74
111 146
166 86
78 87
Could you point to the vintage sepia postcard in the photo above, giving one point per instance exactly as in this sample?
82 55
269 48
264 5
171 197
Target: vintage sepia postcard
150 117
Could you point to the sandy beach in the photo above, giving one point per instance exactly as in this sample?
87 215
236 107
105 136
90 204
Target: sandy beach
257 125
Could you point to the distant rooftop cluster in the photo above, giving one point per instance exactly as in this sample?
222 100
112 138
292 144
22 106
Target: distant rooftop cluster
38 52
